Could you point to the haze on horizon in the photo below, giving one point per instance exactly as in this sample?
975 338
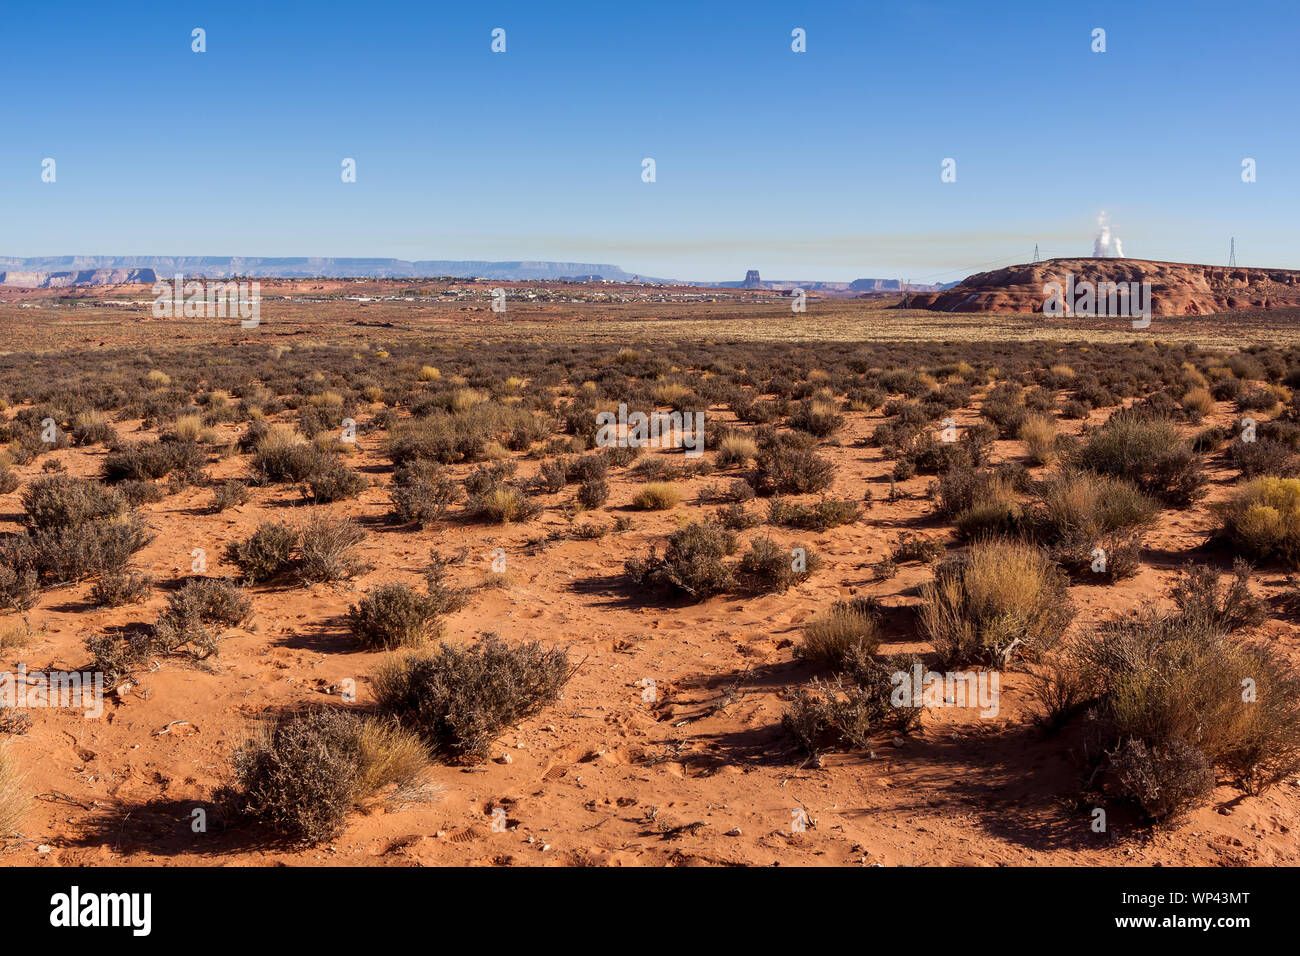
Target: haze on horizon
819 165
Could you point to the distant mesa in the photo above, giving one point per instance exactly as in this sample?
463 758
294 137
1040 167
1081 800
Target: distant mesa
1177 288
885 285
42 271
81 277
842 289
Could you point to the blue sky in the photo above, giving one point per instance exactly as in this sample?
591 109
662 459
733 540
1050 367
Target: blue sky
820 165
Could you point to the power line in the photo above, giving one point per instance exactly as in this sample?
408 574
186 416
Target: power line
976 268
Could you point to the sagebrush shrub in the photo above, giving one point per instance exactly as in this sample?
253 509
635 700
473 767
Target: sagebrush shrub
64 555
784 467
19 590
1165 779
845 711
302 774
229 494
394 615
147 461
593 492
460 699
116 589
328 549
693 562
61 501
1263 457
192 623
422 492
825 514
1197 595
266 552
1147 451
767 566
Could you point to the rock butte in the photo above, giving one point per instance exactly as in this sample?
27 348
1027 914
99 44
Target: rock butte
1177 288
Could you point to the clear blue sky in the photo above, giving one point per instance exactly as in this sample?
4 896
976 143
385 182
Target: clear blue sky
821 165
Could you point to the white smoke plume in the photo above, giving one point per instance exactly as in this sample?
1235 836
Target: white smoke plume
1101 245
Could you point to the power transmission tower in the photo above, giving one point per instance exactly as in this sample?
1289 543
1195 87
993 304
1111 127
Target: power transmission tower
1232 253
1035 252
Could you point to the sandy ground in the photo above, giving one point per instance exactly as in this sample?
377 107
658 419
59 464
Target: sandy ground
598 778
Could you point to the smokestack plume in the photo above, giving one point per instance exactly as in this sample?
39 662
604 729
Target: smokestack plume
1101 245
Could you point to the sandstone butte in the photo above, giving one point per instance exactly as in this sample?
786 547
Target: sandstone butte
1177 288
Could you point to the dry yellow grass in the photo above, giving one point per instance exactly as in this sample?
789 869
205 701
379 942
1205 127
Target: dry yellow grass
736 450
670 392
13 797
189 427
828 638
463 399
1038 432
657 496
1199 400
389 754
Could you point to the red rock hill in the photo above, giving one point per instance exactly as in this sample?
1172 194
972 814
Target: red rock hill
1177 288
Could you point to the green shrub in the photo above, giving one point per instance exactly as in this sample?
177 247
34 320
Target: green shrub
1262 519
